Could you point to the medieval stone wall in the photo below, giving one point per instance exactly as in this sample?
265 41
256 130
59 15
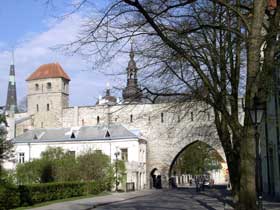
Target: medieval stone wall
168 128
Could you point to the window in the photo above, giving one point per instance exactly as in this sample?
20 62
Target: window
49 85
149 119
48 107
124 154
83 122
97 120
21 157
25 130
107 134
42 124
73 136
65 86
191 116
36 86
161 117
208 116
72 153
37 107
131 118
179 119
98 151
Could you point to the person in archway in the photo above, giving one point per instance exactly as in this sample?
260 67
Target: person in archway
158 182
196 184
154 180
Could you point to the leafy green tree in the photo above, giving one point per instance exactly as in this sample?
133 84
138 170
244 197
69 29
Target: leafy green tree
5 145
94 165
197 159
121 176
30 172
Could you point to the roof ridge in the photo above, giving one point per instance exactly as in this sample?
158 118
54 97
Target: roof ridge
49 70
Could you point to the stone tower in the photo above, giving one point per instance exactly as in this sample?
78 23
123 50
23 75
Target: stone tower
11 103
132 92
48 94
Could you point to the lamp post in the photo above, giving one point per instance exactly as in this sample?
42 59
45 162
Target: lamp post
117 153
256 114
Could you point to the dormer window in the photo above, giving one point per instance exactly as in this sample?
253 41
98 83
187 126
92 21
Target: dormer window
107 135
36 86
73 136
49 85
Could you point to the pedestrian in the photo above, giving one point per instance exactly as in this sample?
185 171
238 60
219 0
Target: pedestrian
196 184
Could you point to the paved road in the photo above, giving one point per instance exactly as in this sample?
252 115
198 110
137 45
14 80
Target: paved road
177 199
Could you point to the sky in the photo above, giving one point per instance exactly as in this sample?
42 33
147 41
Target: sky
34 30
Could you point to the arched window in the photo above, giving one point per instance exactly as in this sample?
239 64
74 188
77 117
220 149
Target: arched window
131 118
161 117
48 107
97 120
36 86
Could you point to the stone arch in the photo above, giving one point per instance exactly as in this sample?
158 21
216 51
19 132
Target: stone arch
163 158
221 153
153 177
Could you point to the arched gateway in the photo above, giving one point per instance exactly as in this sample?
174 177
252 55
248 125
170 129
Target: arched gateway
161 130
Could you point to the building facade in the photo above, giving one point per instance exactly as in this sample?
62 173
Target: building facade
166 128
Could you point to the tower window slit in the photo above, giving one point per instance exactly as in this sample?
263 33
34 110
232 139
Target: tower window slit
37 107
48 107
97 120
131 118
161 117
191 116
49 85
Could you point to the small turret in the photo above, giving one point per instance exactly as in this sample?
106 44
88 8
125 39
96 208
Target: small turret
132 92
108 99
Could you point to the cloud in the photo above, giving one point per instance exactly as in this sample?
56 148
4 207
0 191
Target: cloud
37 49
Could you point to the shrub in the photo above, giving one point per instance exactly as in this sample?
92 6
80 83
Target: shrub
37 193
9 196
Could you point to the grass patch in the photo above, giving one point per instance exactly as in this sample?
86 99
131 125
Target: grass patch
60 201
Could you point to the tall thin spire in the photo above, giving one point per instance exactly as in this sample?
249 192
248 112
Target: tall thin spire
11 103
132 92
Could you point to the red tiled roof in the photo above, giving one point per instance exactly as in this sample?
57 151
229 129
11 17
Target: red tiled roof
50 70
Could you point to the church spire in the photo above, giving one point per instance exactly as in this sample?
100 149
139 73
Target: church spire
11 103
132 92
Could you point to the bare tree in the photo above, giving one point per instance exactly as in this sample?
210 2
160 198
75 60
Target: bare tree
209 50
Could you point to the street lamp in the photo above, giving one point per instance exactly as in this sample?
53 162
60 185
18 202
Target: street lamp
256 114
117 153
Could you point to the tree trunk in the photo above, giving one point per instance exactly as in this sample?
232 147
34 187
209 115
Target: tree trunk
247 162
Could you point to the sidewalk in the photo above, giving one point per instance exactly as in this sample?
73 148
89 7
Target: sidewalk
89 203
